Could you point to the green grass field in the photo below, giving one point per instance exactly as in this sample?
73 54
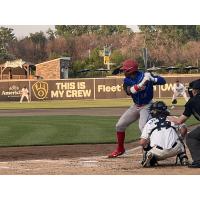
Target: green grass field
52 130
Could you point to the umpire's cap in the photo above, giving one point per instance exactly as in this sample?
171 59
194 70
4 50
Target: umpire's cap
129 66
196 85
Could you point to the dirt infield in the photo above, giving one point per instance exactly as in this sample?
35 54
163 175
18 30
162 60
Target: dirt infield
79 159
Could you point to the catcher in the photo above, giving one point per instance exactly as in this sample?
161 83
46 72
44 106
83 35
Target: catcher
161 138
139 86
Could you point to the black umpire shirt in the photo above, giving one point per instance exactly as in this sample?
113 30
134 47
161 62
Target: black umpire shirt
192 107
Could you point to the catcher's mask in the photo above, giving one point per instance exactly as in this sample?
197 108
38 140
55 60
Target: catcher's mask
159 109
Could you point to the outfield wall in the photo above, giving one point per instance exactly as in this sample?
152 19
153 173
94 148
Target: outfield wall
92 88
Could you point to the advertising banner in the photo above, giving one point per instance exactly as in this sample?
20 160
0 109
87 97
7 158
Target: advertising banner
62 89
74 89
10 91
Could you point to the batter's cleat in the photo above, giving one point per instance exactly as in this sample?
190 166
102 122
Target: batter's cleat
116 153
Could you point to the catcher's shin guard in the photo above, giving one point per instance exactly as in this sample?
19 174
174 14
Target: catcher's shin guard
145 151
150 161
182 157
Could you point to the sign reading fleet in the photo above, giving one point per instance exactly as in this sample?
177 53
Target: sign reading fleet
72 89
109 88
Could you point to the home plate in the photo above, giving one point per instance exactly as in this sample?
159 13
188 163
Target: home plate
89 163
4 167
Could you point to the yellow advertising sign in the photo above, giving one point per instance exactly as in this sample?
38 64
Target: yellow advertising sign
106 59
71 90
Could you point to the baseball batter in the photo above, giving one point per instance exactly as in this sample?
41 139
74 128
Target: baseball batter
160 138
139 86
178 90
24 93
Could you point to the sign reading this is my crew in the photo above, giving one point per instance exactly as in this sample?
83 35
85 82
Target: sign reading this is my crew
72 89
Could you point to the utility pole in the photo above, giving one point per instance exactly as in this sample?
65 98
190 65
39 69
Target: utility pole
145 57
89 53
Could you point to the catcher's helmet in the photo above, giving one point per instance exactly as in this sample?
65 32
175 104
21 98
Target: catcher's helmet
159 108
129 66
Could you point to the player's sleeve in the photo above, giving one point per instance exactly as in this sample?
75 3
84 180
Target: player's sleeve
146 131
188 109
158 80
182 86
134 88
128 82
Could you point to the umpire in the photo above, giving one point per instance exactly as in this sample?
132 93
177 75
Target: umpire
192 107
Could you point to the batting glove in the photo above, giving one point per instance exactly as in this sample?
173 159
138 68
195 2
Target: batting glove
150 77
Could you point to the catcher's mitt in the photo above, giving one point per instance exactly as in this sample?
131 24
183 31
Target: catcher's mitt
174 101
127 89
